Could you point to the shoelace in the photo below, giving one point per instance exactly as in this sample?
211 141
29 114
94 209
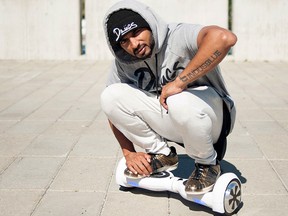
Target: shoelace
198 172
154 162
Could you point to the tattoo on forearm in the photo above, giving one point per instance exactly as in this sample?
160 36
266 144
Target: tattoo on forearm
203 66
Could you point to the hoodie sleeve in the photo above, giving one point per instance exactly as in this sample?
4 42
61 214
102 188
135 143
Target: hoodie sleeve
190 33
183 41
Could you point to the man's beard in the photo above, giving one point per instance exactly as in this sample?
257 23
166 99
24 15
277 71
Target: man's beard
151 45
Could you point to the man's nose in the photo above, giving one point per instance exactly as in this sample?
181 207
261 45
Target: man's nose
133 42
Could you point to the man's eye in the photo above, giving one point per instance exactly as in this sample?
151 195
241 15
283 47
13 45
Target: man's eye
122 42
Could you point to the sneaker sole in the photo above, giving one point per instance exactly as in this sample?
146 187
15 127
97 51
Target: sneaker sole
205 190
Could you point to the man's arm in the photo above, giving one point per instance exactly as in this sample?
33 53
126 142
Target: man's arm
137 162
213 44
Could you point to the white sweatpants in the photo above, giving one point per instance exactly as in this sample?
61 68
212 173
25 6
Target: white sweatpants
194 118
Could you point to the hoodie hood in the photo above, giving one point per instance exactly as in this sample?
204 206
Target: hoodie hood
158 28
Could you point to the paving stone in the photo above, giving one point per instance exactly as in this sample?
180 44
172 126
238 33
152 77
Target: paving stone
278 114
5 162
97 141
47 114
19 202
59 203
67 128
284 124
136 202
280 167
12 145
264 205
77 113
248 114
6 124
29 128
242 146
50 146
30 173
90 145
273 146
85 174
255 176
258 128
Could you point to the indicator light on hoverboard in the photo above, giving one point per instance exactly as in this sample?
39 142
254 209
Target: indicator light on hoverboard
134 184
198 201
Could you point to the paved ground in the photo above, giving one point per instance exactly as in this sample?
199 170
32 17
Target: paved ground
58 156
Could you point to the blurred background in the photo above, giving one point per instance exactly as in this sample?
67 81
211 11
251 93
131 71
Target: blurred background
72 29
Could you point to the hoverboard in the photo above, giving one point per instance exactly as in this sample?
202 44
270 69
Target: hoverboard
225 197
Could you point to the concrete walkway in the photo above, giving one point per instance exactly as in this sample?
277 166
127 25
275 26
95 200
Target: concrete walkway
58 156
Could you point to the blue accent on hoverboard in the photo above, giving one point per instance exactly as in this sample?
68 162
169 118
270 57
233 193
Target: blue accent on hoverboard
199 201
132 183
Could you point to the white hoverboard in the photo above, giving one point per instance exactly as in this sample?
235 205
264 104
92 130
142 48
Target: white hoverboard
225 196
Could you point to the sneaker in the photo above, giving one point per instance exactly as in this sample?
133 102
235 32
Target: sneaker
202 178
159 163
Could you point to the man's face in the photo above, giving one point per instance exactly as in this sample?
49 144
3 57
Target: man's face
138 42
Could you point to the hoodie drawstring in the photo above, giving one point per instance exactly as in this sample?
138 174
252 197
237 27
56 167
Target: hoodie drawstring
157 76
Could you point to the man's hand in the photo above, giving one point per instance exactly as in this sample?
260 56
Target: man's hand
169 89
139 163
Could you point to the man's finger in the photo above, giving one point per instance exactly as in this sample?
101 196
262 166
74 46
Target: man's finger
131 168
147 166
163 102
143 169
148 158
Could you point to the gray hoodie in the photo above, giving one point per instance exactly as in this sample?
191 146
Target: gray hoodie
175 46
